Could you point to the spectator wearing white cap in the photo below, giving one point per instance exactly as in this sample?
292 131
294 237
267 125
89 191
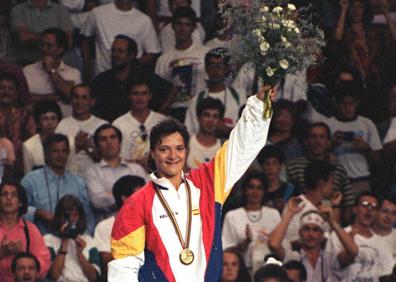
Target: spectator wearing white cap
309 247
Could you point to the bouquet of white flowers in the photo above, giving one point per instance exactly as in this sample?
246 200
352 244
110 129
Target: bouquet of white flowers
274 35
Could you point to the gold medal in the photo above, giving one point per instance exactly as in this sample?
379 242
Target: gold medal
186 256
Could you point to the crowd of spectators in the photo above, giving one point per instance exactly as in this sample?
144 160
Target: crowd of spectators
82 82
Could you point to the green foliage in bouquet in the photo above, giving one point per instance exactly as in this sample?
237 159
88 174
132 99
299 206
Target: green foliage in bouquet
272 34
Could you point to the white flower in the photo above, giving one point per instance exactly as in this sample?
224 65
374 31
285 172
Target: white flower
264 46
283 39
256 32
269 71
284 64
277 9
291 7
296 30
264 9
276 26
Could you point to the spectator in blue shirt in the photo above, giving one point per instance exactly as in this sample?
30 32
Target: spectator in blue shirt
45 186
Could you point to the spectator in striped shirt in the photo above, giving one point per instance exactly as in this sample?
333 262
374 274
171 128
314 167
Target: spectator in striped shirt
317 144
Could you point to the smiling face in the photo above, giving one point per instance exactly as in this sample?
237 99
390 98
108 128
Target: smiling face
8 92
284 121
81 101
169 156
318 141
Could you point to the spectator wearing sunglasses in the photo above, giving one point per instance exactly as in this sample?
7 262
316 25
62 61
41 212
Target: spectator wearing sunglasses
136 124
309 248
101 176
374 260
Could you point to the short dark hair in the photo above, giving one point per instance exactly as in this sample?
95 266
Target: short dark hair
184 12
132 45
82 85
60 37
138 81
125 186
22 196
104 127
315 171
22 255
69 202
219 52
165 128
245 181
318 124
346 89
55 138
296 265
367 194
271 271
389 197
45 106
210 103
271 151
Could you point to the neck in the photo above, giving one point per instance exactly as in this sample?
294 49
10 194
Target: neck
183 45
312 254
273 184
174 180
215 86
122 74
205 138
43 136
57 170
380 230
123 7
319 157
114 162
82 117
362 229
314 197
280 135
140 114
9 219
253 206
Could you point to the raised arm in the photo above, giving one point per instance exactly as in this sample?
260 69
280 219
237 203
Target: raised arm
278 234
340 27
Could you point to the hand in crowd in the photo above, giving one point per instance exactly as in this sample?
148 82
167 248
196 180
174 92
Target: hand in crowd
344 4
294 205
327 212
48 63
338 138
9 247
359 144
336 198
80 244
264 89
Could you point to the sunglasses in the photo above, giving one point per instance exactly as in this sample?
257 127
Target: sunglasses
367 205
309 228
143 133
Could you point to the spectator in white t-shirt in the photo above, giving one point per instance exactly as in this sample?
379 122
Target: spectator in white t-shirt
107 21
81 126
101 176
122 189
385 222
354 136
204 144
247 228
167 34
136 124
374 259
184 64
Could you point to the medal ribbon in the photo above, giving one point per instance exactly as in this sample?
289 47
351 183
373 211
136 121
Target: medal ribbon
172 218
